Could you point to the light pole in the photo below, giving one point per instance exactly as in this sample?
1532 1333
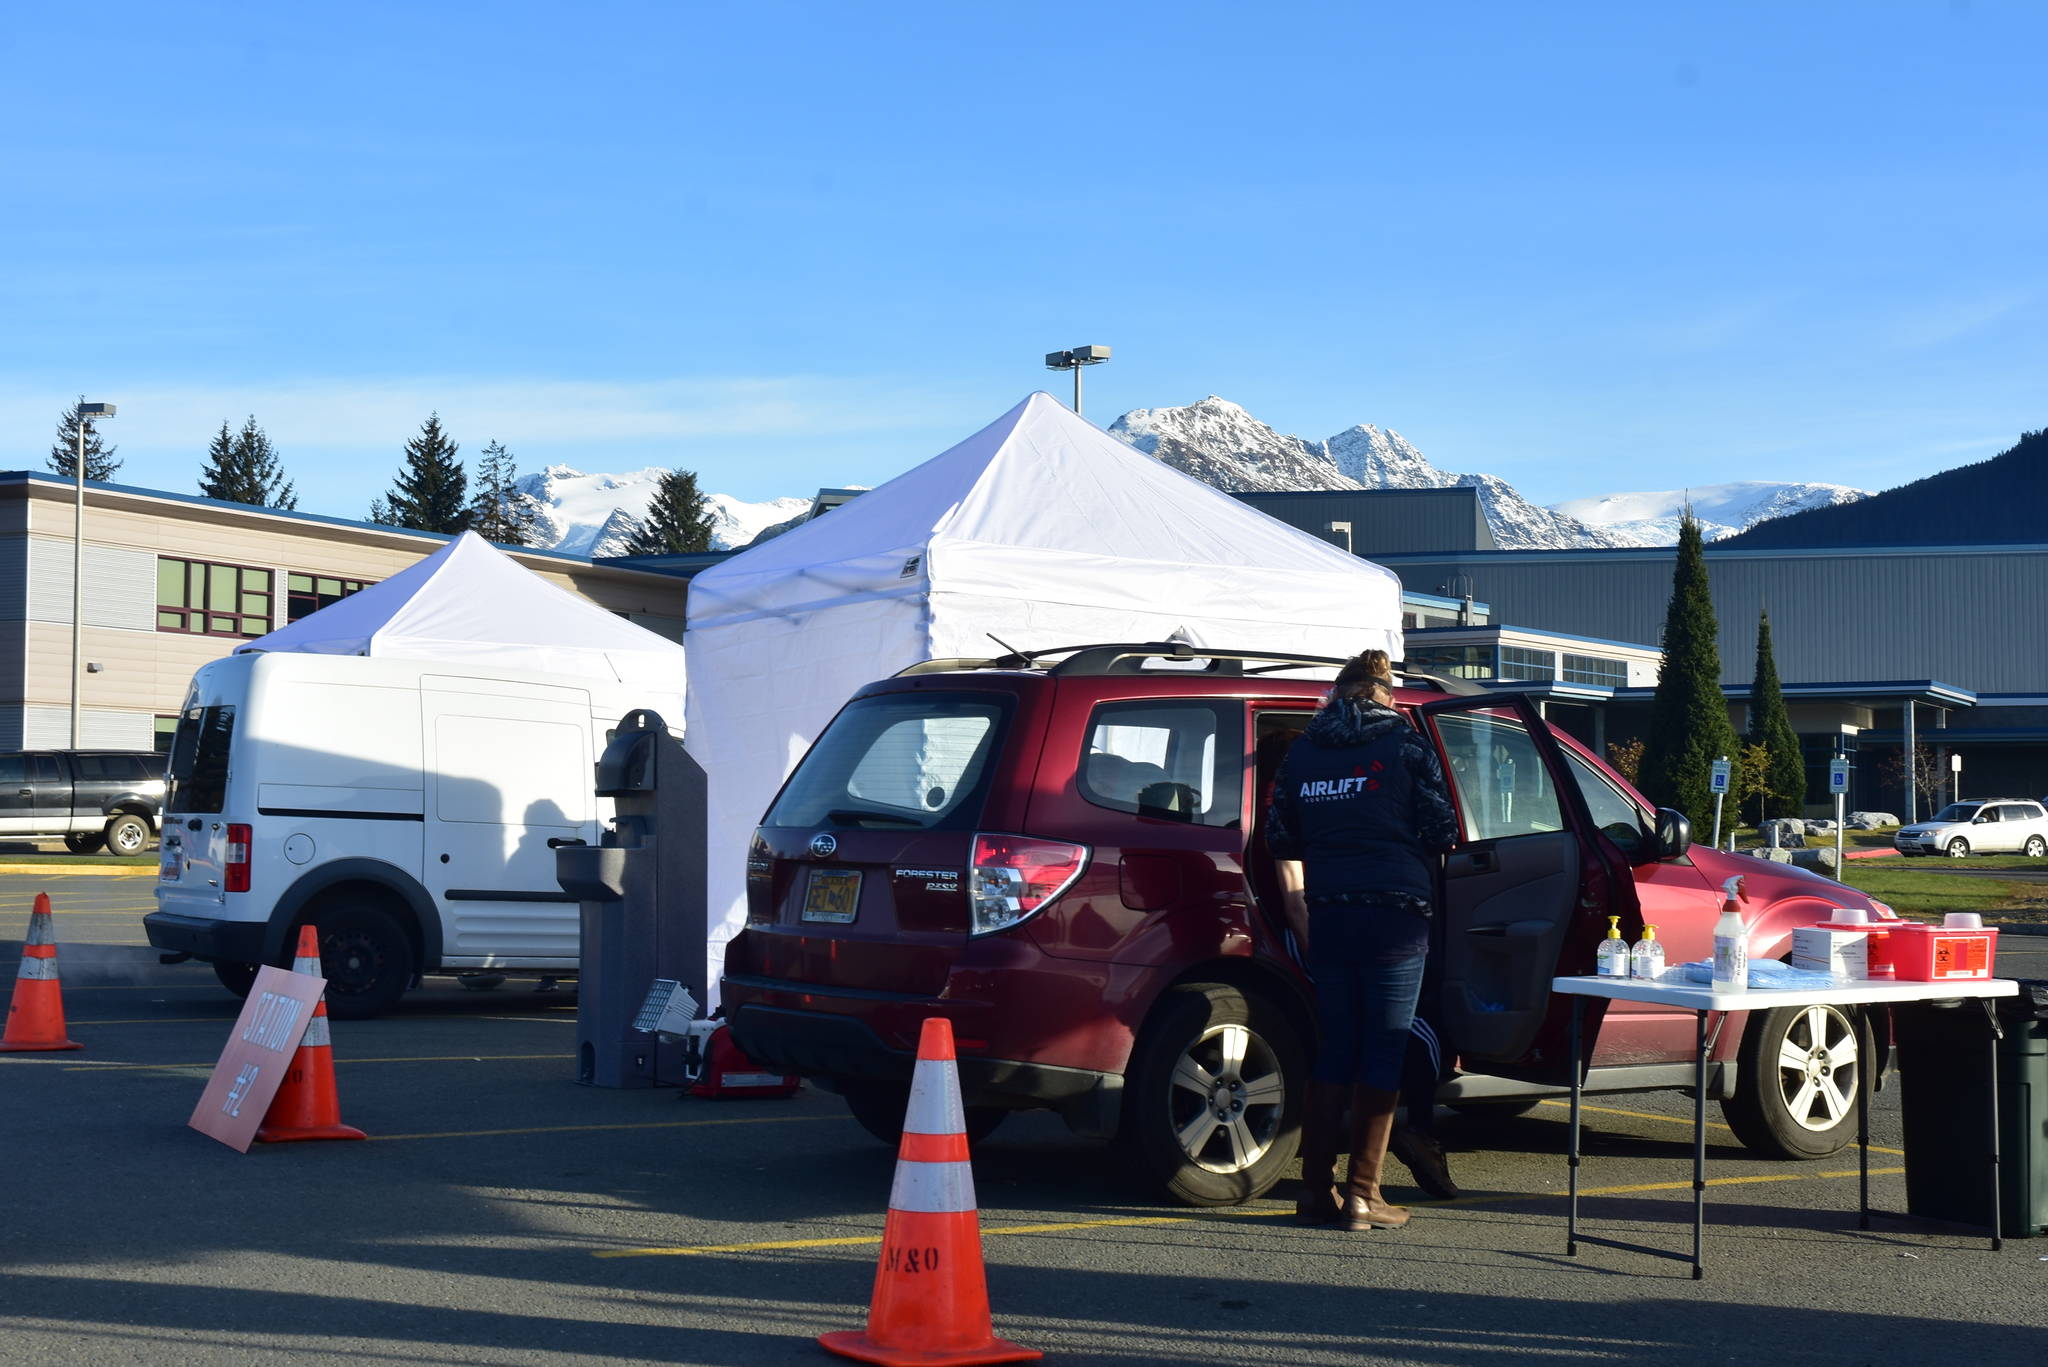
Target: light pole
1345 527
88 413
1073 360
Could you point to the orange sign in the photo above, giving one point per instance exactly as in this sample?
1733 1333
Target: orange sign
259 1051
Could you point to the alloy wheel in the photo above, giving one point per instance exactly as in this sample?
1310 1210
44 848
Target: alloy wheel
1227 1099
1819 1068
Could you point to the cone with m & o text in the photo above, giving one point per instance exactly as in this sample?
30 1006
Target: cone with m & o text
35 1016
306 1105
930 1305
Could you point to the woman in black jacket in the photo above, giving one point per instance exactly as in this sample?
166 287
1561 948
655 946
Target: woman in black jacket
1361 802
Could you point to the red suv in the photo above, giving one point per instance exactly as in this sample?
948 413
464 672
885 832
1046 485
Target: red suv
1060 852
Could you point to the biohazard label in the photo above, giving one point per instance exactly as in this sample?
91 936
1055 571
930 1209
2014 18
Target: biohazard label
1962 957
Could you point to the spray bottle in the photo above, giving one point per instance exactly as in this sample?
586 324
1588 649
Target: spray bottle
1731 941
1646 960
1612 956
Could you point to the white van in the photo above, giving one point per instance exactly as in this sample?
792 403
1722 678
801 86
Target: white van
408 808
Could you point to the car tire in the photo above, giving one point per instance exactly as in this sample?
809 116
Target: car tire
86 842
127 835
1208 1044
365 956
1957 848
2036 847
1799 1071
236 977
880 1108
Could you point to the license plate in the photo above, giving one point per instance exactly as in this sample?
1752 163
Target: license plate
833 895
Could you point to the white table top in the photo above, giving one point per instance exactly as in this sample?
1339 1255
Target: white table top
1701 997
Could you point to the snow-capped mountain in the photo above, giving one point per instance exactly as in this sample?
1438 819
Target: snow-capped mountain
1219 443
595 515
1651 518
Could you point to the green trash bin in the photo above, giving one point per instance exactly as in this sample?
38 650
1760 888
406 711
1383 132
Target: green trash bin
1944 1069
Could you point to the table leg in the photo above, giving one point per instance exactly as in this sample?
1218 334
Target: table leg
1864 1083
1699 1152
1571 1227
1997 1205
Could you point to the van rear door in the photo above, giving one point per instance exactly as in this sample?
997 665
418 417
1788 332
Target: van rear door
191 868
509 766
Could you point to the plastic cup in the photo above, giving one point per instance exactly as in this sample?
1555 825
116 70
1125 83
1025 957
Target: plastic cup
1962 920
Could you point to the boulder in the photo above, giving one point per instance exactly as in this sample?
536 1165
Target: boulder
1874 820
1790 834
1823 827
1858 824
1820 859
1779 856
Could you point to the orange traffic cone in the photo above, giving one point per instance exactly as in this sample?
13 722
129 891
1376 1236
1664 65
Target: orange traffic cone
35 1018
306 1105
930 1305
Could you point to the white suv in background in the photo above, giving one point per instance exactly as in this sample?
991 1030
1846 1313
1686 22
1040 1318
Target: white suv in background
1999 825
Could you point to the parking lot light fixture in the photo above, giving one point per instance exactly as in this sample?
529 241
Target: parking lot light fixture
1074 359
88 413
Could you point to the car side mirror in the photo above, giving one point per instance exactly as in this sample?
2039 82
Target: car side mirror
1674 833
1979 820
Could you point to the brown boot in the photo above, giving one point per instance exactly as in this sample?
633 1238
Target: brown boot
1424 1155
1322 1117
1372 1126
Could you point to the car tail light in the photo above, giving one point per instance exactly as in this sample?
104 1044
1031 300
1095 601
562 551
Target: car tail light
1016 877
237 866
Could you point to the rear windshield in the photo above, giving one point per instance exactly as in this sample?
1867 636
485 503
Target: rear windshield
900 761
198 772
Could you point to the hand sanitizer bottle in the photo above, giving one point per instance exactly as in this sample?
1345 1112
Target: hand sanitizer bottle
1646 960
1613 953
1731 941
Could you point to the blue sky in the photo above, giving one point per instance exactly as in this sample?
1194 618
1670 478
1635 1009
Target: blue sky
1589 248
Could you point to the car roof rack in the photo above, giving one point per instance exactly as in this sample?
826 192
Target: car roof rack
1114 658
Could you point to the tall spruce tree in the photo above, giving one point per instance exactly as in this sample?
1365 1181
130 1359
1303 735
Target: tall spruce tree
677 521
99 457
1689 726
501 511
1770 726
431 491
243 468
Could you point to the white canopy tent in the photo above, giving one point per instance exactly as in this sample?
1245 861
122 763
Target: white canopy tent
1041 529
472 605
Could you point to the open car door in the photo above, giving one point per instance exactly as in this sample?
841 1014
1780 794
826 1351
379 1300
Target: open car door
1526 892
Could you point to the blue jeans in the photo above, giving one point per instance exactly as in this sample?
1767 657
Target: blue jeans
1367 965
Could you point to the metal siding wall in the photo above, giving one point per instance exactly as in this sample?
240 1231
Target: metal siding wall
49 728
13 577
120 585
1386 522
1957 617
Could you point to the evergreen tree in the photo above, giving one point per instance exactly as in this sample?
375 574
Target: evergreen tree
677 521
430 494
1770 726
243 468
501 512
1689 717
99 457
381 513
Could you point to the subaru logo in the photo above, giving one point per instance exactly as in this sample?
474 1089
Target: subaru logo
823 845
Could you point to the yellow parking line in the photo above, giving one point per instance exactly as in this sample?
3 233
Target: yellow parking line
1266 1212
425 1058
628 1125
148 869
1678 1120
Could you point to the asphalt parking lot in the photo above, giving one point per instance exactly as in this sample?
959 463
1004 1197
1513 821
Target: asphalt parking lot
502 1214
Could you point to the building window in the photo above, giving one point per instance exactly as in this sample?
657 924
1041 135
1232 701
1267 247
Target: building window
1518 663
211 600
166 727
311 592
1596 669
1452 662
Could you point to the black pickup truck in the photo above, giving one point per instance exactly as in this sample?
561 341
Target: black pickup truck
111 799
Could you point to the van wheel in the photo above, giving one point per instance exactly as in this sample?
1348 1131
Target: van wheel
1801 1068
1209 1101
366 957
127 835
90 842
880 1107
237 978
